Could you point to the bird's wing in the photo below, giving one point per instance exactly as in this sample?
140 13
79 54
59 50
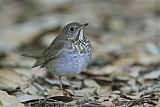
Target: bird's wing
51 52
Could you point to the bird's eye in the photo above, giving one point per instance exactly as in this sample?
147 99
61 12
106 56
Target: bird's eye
71 29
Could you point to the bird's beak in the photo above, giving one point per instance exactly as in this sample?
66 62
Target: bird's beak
83 26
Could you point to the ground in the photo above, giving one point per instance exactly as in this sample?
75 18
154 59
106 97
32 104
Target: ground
125 67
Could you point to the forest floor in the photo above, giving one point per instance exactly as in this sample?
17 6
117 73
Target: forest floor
125 67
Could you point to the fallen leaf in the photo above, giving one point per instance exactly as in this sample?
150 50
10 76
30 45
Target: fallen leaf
25 98
152 75
11 78
9 101
91 83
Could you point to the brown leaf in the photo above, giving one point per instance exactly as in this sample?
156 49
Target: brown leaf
9 101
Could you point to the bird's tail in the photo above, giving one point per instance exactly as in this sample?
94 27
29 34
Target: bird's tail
39 59
32 56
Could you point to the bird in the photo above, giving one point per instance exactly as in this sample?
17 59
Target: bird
68 54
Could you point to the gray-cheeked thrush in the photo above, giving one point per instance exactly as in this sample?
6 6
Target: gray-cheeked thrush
68 54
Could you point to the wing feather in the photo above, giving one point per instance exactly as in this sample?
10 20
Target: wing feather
51 52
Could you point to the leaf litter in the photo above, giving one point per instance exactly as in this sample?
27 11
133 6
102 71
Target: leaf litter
124 72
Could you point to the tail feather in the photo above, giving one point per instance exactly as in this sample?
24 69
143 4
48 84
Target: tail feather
39 58
32 56
40 61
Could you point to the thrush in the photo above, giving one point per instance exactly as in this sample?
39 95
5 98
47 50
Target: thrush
68 54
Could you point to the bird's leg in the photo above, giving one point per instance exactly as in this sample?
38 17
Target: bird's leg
61 84
71 87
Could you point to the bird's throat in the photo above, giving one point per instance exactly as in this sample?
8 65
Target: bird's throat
81 34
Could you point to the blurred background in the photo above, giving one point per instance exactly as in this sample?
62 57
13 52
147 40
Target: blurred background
125 35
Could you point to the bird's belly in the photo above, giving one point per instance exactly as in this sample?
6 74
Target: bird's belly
69 64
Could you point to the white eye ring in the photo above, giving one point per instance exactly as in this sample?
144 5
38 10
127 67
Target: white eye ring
71 28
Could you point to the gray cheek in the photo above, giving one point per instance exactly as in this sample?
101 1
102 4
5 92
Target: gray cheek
70 35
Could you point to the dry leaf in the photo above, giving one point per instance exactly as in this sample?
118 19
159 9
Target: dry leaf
9 101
